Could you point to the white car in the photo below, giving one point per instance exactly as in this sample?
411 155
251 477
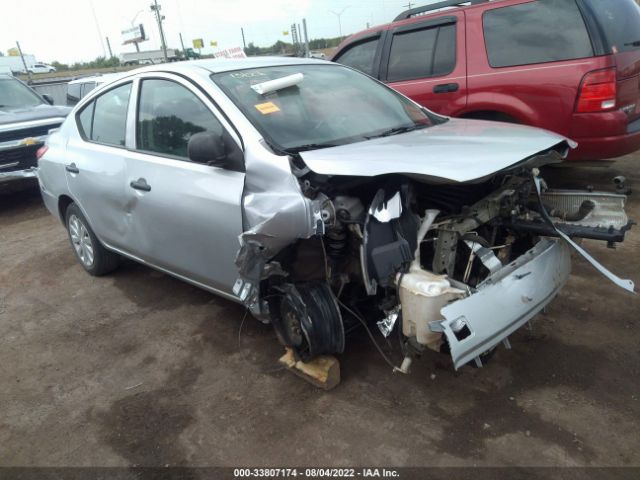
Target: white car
41 68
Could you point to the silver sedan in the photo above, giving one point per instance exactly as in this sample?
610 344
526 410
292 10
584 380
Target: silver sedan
323 201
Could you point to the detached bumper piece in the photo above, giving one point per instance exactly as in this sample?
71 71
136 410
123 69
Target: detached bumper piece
504 302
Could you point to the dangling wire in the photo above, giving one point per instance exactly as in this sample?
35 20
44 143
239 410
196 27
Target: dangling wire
366 327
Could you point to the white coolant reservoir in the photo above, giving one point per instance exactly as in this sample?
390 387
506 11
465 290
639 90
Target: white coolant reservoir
422 295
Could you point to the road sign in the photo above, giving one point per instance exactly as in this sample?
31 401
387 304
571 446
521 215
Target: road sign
213 43
198 43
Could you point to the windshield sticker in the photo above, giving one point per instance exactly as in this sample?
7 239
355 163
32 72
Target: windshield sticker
251 74
267 108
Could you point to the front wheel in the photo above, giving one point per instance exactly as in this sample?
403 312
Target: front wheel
95 259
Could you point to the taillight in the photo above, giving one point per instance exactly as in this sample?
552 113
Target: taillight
41 151
597 92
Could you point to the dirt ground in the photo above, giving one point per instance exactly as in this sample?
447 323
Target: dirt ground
138 368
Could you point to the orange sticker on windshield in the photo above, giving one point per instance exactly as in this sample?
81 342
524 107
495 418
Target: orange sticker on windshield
267 108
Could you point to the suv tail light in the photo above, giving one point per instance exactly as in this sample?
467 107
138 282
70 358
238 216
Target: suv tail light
598 92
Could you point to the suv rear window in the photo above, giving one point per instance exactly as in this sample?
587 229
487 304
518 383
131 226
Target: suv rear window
620 22
536 32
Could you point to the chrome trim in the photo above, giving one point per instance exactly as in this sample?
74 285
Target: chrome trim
18 174
32 124
11 144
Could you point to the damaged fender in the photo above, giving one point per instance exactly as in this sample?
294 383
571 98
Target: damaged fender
275 214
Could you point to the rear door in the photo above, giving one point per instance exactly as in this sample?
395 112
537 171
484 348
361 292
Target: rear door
96 163
619 22
426 61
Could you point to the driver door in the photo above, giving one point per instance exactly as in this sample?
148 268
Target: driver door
185 217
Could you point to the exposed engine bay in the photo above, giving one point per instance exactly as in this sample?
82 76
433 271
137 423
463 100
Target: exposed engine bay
451 267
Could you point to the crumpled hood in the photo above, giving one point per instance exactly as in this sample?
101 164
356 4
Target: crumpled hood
458 150
40 112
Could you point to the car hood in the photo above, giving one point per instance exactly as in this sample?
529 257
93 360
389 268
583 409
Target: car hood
457 150
40 112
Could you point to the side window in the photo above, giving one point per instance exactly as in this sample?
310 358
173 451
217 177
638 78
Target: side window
429 52
360 56
73 93
86 88
536 32
168 115
85 120
104 120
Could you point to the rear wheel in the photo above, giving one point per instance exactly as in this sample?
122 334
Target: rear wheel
95 259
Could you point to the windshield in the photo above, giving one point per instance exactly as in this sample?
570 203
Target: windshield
620 20
15 94
330 105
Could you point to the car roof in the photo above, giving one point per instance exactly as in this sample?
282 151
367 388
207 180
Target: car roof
103 78
462 5
218 65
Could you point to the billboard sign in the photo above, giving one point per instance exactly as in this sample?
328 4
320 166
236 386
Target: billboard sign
133 35
235 52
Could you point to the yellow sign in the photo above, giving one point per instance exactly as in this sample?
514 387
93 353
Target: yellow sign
13 52
198 43
285 33
213 43
267 108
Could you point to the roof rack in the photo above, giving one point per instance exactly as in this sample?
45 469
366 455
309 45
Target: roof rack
435 6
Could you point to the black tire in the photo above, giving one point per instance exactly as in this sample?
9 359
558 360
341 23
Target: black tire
100 261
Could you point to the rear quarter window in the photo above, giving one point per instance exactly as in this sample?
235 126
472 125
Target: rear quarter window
537 32
620 23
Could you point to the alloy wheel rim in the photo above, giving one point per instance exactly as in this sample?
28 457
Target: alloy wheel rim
81 240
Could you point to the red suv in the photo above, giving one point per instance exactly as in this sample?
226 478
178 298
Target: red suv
570 66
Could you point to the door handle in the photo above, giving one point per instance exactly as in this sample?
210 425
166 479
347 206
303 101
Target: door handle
140 184
446 88
71 168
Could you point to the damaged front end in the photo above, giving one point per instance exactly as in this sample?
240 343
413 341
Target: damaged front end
453 267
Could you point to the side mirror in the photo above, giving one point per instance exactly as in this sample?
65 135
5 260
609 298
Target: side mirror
208 148
48 99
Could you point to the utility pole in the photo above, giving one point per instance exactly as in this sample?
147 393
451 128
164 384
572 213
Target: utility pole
95 19
184 50
408 5
294 38
244 43
156 8
26 69
306 38
339 19
109 47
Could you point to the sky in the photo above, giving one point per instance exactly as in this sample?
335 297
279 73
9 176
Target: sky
68 31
